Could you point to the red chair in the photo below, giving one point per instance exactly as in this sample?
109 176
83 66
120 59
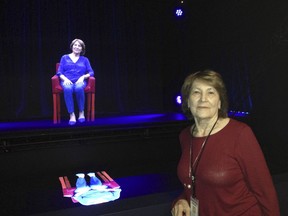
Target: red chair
57 90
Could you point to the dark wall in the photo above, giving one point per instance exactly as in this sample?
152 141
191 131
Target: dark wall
140 52
247 41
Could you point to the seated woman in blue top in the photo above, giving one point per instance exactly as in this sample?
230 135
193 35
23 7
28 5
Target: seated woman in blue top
74 70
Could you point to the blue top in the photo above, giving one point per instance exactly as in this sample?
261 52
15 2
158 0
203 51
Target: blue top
73 71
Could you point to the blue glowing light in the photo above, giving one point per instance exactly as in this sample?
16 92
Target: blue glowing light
178 99
233 113
179 12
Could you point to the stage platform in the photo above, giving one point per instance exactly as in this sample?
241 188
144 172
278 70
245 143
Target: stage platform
17 136
101 121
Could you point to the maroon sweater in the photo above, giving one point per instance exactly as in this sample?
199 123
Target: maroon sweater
232 177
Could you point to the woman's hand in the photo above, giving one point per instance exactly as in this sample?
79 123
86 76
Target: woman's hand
81 80
181 208
67 82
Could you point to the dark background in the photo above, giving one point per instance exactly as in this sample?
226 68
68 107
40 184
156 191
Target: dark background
141 53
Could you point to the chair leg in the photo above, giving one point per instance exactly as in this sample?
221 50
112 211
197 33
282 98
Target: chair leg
55 119
58 109
93 107
88 106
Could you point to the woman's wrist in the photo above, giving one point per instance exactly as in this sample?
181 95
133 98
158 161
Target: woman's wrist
86 76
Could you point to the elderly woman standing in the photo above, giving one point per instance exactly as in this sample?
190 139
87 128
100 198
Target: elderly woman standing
222 167
73 71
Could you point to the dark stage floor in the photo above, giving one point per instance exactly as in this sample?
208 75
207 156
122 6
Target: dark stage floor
130 147
140 152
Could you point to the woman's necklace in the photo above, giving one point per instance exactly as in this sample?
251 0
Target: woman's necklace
193 168
194 202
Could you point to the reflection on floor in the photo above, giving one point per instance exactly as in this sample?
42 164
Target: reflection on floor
150 194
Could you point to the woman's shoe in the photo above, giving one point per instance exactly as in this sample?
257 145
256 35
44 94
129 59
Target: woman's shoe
72 122
81 117
81 120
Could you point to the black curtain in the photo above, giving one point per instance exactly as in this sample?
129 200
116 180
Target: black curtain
124 41
140 52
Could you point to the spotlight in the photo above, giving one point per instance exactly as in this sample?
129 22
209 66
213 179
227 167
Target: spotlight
178 100
179 12
238 113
